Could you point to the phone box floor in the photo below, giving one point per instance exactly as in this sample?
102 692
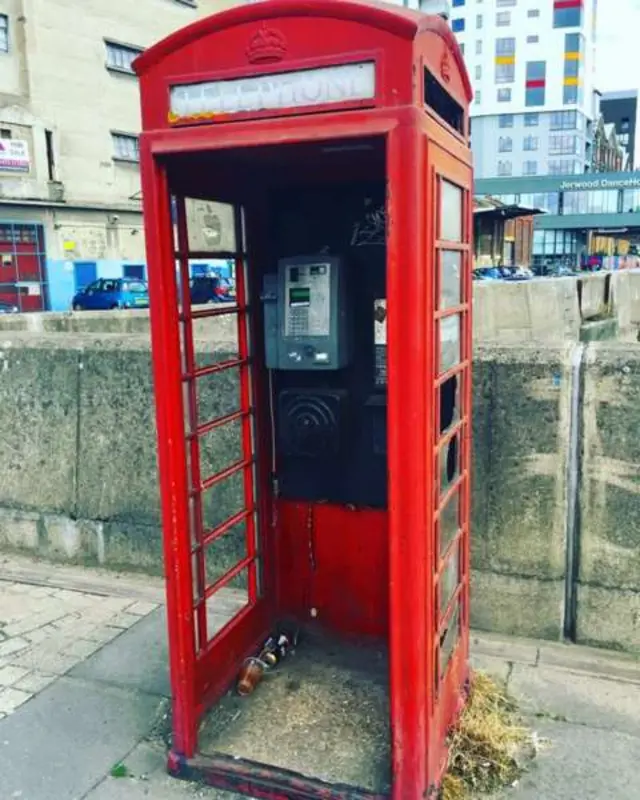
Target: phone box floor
323 713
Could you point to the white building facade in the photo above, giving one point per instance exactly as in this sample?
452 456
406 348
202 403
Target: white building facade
531 63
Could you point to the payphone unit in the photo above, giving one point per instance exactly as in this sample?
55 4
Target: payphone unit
306 324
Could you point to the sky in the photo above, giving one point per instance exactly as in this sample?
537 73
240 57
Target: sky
617 42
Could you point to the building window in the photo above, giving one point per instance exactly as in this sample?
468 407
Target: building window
506 3
458 3
479 21
631 201
531 120
5 133
573 43
570 95
530 143
536 70
504 169
126 147
563 166
51 155
625 125
530 168
121 56
533 13
533 39
505 144
457 25
535 83
505 120
503 19
505 73
571 68
504 95
567 17
478 72
564 120
534 96
4 33
506 46
479 47
560 145
477 98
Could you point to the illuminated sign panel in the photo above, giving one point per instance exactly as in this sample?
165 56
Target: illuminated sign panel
282 91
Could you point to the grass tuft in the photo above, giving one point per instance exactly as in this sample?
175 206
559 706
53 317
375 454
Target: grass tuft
485 744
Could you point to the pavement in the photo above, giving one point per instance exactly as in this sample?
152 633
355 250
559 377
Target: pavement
84 693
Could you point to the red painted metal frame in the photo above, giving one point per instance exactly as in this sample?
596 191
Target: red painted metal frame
421 149
447 696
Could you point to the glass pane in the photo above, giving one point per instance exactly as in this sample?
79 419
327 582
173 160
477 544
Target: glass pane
450 278
448 641
449 524
222 607
449 342
211 226
449 464
450 212
450 402
449 580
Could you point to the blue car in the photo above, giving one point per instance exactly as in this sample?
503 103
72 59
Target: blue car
110 293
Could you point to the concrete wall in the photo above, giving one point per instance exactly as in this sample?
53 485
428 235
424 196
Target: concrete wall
625 296
521 444
608 572
79 468
541 310
557 310
79 478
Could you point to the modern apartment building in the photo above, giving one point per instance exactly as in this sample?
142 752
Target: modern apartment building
620 109
69 122
531 63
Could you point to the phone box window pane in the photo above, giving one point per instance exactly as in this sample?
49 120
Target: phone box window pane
449 342
450 278
450 212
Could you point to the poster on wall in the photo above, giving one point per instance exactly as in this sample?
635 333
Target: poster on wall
380 340
14 156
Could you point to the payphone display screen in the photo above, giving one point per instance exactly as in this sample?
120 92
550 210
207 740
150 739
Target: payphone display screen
308 294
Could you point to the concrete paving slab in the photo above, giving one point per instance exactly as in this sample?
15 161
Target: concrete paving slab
578 698
591 660
137 659
496 668
147 778
22 571
61 744
581 763
508 648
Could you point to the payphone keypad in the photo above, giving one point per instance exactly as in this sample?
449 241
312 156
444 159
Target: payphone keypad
308 300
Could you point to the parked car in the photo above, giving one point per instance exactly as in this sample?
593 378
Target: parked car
9 308
231 288
515 274
109 293
487 274
210 289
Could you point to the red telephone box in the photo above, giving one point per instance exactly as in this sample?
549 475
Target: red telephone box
314 464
